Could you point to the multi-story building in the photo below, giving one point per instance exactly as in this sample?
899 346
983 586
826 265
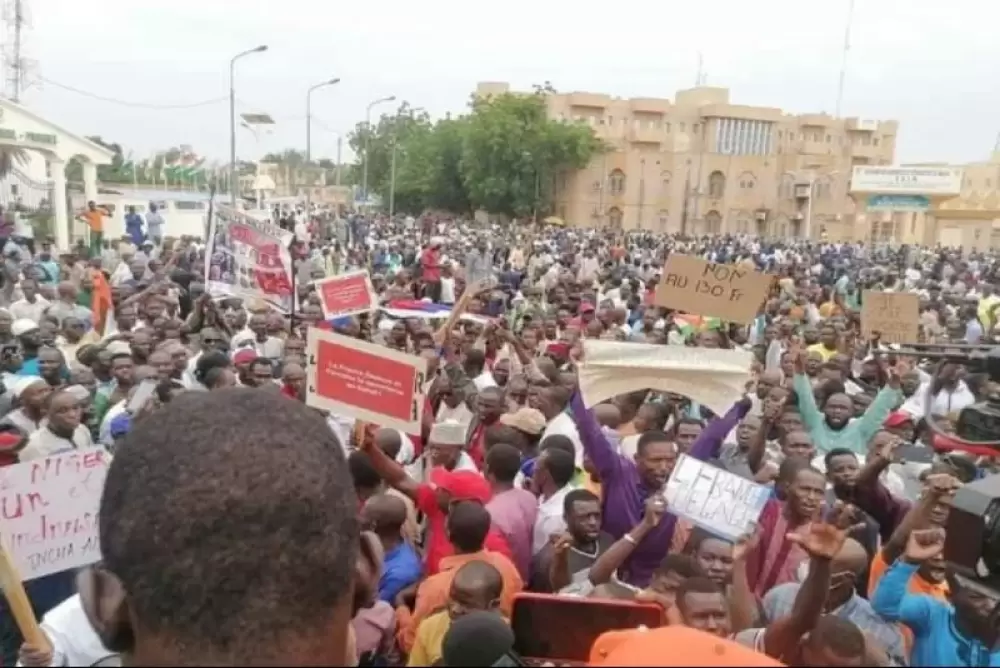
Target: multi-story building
699 164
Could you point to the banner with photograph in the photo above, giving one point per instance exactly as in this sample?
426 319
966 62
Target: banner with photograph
248 257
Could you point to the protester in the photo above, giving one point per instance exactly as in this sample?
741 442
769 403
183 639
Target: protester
506 479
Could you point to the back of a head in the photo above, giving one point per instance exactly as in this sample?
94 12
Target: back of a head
479 639
230 521
468 526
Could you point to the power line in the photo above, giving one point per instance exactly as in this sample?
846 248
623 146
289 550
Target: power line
125 103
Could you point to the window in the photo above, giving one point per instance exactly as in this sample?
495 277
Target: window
617 182
713 222
875 141
747 181
694 128
668 127
615 217
682 127
664 216
187 205
828 139
716 185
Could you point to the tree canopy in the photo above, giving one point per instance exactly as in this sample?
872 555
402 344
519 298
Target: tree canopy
503 156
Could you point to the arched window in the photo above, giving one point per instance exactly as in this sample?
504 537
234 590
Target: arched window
713 223
616 182
664 218
716 185
615 217
748 181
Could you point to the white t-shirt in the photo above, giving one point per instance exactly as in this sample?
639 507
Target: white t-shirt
22 308
447 290
74 641
563 424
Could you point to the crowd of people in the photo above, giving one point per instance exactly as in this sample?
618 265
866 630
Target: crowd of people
238 525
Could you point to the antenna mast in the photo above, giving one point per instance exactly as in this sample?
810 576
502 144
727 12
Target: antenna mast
843 62
15 65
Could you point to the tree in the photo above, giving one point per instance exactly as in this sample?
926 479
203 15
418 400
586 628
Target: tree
503 156
512 153
402 126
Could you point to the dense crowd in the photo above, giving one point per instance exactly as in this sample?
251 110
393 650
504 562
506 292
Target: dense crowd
235 518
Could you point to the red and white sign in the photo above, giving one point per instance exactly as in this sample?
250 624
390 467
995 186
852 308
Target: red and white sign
346 294
369 382
48 511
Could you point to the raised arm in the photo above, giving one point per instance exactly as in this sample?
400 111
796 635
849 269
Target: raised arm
891 600
812 418
390 471
822 542
595 443
886 400
612 559
709 442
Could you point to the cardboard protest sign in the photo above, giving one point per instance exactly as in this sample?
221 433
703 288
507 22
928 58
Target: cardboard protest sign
716 378
346 294
894 315
369 382
716 500
48 511
727 291
247 257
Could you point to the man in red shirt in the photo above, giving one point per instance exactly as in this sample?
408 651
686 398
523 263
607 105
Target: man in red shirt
430 265
434 499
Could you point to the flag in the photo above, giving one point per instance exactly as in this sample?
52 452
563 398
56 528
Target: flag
100 301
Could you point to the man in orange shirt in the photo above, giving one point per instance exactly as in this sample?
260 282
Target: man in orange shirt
94 217
468 525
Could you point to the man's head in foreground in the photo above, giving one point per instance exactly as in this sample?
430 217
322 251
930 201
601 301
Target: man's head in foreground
229 536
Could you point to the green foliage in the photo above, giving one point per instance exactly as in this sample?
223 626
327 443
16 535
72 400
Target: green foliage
503 156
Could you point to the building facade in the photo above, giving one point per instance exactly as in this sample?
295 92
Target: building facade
699 164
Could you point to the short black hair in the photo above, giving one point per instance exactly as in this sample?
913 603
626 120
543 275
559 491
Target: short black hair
682 564
561 466
212 377
558 442
503 461
696 584
576 496
258 361
214 359
837 452
838 635
363 474
468 525
653 436
230 520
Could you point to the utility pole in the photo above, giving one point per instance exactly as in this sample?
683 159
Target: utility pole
15 16
340 146
843 62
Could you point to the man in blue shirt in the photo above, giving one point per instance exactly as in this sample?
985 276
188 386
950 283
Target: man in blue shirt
133 226
959 633
385 514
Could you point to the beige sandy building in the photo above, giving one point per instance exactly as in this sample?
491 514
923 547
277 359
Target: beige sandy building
700 164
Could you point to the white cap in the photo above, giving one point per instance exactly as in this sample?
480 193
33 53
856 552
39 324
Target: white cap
448 432
22 326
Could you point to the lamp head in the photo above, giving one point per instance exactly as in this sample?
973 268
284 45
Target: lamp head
262 47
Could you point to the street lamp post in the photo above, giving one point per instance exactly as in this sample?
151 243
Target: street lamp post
392 168
232 118
368 131
328 82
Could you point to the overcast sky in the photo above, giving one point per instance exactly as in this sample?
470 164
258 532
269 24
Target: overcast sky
932 65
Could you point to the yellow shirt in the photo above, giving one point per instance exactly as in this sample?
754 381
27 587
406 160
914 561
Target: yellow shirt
983 309
427 643
824 352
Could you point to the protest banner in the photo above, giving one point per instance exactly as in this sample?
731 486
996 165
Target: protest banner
248 258
48 511
346 294
894 315
716 378
727 291
366 381
718 501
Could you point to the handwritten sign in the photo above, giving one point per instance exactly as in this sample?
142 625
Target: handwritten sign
48 511
346 294
727 291
716 500
894 315
369 382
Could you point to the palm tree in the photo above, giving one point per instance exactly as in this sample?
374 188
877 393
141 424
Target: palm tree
11 157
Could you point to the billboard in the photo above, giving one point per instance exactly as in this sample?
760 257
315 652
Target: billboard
907 180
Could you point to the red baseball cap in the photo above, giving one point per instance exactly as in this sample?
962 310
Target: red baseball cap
462 485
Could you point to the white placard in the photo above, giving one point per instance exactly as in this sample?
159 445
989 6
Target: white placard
716 500
48 511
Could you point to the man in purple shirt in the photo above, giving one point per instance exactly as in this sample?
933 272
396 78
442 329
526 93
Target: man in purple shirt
627 483
512 510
